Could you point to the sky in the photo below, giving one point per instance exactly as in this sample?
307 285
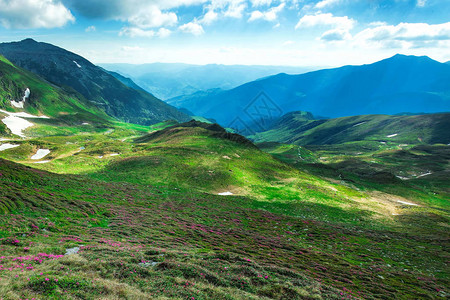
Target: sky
248 32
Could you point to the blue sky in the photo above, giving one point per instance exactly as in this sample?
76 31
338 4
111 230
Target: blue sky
264 32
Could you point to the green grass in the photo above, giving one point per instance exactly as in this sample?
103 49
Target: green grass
150 223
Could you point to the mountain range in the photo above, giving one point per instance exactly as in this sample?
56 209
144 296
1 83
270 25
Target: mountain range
73 72
165 80
395 85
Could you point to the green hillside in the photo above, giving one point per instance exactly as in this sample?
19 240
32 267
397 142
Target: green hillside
75 73
149 224
64 108
300 129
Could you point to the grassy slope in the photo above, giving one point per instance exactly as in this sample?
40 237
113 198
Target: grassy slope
290 234
64 108
294 128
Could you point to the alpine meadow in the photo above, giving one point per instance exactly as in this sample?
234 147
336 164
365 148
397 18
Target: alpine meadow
224 149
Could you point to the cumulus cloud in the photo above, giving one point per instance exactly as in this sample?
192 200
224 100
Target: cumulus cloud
152 17
269 15
405 35
192 28
325 20
24 14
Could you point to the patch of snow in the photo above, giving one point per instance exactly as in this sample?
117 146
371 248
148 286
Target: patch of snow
77 64
85 123
20 104
71 251
100 156
41 153
406 203
17 104
42 162
7 146
16 123
114 154
426 174
402 178
225 194
359 124
392 135
3 139
226 157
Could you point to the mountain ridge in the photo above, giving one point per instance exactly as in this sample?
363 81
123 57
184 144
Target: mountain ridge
67 69
394 85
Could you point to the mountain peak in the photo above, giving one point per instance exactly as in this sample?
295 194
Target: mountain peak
403 57
28 40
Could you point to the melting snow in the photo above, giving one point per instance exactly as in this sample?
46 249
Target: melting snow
16 123
392 135
42 162
426 174
114 154
7 146
225 194
359 124
20 104
406 203
41 153
77 64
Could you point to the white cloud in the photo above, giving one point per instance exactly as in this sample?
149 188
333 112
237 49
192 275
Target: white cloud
192 28
269 15
421 3
34 14
325 3
164 32
334 35
325 20
90 29
136 32
139 32
409 35
235 9
152 17
256 3
209 17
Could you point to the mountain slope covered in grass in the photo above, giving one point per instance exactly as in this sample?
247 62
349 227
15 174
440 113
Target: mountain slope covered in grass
302 129
147 223
72 71
396 85
62 107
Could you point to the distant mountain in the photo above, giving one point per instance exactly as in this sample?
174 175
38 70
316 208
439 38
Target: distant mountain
170 80
23 91
395 85
125 80
302 129
72 71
